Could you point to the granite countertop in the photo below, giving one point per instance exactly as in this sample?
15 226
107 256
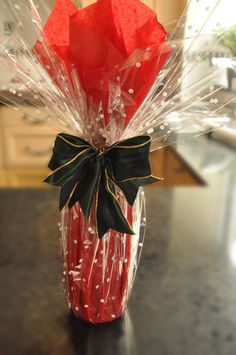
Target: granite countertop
184 298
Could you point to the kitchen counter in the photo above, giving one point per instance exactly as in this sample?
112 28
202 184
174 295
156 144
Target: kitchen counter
184 297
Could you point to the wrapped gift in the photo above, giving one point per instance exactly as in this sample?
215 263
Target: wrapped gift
115 86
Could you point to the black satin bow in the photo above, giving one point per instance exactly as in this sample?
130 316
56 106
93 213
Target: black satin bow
84 171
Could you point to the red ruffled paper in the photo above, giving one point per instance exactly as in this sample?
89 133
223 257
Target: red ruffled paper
97 290
112 42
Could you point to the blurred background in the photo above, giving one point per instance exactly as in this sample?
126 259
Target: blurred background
25 146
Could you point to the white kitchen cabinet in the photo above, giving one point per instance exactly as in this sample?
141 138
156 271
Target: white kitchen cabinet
22 178
1 141
169 10
25 148
150 3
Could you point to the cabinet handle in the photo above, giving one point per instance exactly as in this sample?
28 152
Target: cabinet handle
37 153
29 119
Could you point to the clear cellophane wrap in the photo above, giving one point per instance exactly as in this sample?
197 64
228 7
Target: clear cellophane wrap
106 73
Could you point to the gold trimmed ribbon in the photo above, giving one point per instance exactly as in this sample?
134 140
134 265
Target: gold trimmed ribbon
85 172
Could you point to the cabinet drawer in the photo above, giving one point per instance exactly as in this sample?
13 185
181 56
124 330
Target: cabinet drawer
3 179
157 160
1 149
24 116
1 142
177 172
21 178
27 147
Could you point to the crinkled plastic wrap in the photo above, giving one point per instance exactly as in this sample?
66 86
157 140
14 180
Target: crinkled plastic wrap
161 87
106 73
99 274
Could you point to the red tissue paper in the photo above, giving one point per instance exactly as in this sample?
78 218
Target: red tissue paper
117 49
110 43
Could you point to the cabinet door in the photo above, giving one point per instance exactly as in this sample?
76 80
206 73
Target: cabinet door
15 117
1 149
3 179
157 160
150 3
21 178
86 2
1 140
28 147
166 163
169 10
178 172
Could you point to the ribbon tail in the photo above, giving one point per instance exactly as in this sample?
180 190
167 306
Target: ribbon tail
86 187
131 186
130 191
64 173
65 193
109 212
69 186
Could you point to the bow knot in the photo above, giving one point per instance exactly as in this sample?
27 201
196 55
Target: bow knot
102 158
83 172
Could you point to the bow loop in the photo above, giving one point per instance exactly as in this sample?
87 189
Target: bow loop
132 153
84 172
